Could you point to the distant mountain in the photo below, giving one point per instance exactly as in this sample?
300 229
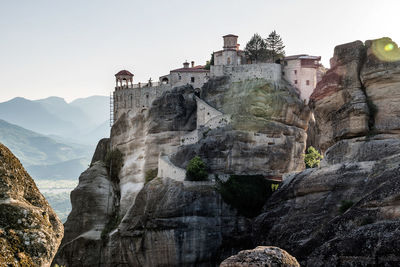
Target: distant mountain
44 157
34 116
82 120
96 107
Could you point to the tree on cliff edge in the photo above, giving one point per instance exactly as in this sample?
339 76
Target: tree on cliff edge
256 49
275 46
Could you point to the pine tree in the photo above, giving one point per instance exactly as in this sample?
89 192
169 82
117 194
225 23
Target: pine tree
275 46
256 48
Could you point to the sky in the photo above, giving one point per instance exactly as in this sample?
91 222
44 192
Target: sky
73 48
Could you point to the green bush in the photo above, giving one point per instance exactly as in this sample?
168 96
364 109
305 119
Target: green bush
312 158
114 161
150 175
196 170
345 205
246 193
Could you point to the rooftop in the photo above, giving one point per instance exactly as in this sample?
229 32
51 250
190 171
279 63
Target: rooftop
124 72
194 69
230 35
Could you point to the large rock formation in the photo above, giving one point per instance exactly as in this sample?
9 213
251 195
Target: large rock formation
267 135
345 213
142 136
359 94
30 231
261 256
171 223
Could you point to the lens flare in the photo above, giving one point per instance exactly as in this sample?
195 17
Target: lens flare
385 50
389 47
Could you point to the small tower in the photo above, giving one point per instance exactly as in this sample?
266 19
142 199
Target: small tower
122 80
230 42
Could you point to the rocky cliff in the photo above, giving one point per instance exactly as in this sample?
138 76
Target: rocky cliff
345 213
182 223
30 231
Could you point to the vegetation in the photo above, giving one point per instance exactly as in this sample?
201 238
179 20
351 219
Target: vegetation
246 193
345 205
150 175
275 46
312 158
256 49
210 62
196 170
269 49
114 161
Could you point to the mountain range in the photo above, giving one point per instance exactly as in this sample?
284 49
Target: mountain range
54 139
84 120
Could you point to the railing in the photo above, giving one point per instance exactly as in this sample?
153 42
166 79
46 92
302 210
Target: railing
139 85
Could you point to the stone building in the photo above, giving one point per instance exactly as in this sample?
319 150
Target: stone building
231 54
189 74
303 72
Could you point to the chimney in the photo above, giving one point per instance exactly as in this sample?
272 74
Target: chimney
186 65
192 64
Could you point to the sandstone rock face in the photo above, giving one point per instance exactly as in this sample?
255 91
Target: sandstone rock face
93 203
267 135
30 231
178 224
359 95
101 150
307 216
171 223
261 256
380 76
141 137
345 213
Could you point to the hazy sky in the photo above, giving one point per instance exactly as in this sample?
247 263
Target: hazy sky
73 48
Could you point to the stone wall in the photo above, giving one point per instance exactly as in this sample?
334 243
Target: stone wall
205 112
268 71
136 99
166 169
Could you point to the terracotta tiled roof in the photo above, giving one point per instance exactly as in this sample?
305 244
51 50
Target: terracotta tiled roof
194 69
124 72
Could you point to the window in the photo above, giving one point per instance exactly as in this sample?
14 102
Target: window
295 71
285 63
308 82
295 81
283 73
180 77
192 79
228 61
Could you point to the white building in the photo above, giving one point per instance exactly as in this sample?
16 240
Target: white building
302 71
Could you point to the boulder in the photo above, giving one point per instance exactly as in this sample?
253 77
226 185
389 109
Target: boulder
30 231
261 256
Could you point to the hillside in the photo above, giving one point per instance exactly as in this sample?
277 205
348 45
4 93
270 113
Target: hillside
36 149
76 121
